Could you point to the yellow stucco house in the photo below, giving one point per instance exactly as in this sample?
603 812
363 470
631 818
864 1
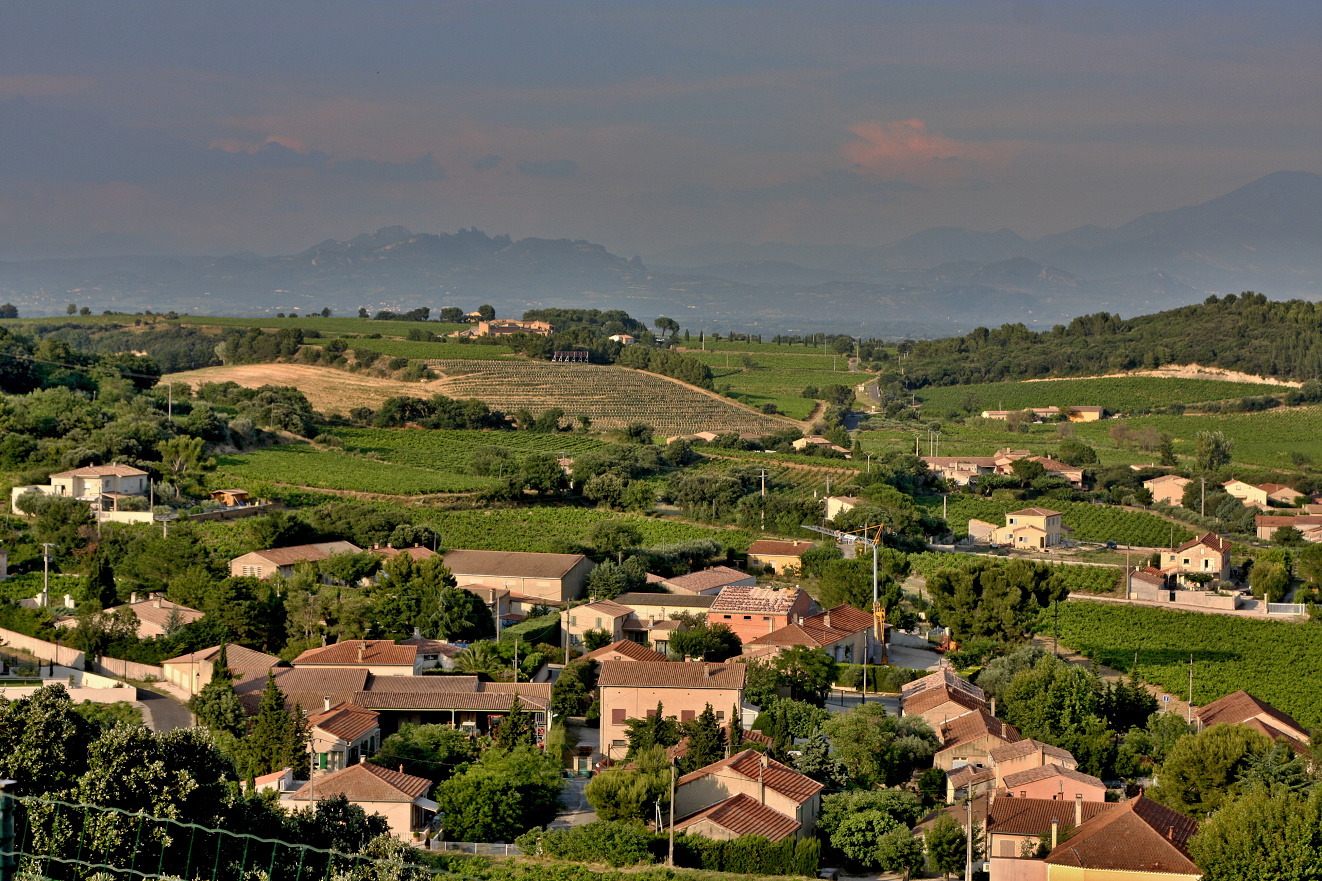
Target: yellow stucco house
1030 528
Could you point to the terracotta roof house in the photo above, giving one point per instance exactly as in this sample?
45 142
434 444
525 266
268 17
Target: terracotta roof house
819 442
632 690
937 706
747 793
1003 761
417 552
843 632
625 650
968 780
1014 822
1148 584
1085 414
103 487
1054 781
557 577
969 738
1168 488
400 798
1032 528
781 557
382 657
653 614
836 505
458 701
708 581
342 735
604 615
960 470
1138 836
1208 554
158 616
1073 474
752 611
306 688
281 561
1309 524
942 677
193 670
1242 708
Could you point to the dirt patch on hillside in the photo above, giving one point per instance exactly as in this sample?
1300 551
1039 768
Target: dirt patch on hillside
326 389
1185 371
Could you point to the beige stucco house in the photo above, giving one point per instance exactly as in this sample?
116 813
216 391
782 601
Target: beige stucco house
281 561
158 616
400 798
342 735
602 615
193 671
1030 528
782 557
747 794
1208 554
632 690
1168 488
555 577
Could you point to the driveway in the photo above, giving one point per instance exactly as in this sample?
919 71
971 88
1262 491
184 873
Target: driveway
161 713
577 811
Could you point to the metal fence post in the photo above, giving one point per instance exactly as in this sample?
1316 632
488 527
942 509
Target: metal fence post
8 859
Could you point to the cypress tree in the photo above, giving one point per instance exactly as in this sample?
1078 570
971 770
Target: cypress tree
706 741
279 738
217 705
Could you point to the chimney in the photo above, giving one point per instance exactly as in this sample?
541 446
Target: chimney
156 602
991 706
1170 832
417 633
1078 809
706 670
827 620
325 704
401 767
1055 832
361 645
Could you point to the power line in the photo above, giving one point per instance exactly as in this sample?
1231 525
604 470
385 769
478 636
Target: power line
81 368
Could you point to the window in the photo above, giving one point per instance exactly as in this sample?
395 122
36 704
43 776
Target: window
726 617
748 617
598 623
651 713
720 715
617 716
686 715
766 617
573 620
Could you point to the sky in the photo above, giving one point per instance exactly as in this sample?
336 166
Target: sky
641 126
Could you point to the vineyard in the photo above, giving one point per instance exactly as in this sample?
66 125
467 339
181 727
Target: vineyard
803 479
1271 438
452 450
424 351
328 326
563 530
1274 661
1118 394
1099 580
303 466
782 387
1090 523
610 396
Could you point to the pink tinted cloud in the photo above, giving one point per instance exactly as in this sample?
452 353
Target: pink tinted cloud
907 150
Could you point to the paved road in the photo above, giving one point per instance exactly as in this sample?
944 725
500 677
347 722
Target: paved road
162 713
577 811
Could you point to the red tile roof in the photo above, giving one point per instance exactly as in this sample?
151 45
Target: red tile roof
639 600
761 600
778 778
796 634
239 658
514 564
939 678
671 674
1027 747
304 553
932 698
1239 707
368 652
967 774
416 552
1033 816
979 723
743 815
1210 540
1046 772
365 782
770 548
1035 512
630 649
160 612
345 721
843 617
448 700
102 471
707 579
1137 836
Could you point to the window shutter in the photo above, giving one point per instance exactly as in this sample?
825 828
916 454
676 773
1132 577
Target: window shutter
617 717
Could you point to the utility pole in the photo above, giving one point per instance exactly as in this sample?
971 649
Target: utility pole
1189 714
670 856
968 839
45 574
1202 504
869 455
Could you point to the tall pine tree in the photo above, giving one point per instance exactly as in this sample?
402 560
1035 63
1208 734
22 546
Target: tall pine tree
706 741
217 705
279 737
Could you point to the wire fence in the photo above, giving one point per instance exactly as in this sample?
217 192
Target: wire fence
43 839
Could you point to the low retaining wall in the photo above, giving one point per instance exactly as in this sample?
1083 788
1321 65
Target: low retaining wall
77 693
129 670
42 650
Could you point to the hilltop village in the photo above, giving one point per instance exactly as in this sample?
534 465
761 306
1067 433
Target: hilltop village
394 597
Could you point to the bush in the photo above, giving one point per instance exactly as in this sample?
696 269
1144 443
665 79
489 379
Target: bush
614 842
749 855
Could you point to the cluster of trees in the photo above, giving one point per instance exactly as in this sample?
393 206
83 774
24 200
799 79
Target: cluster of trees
1247 333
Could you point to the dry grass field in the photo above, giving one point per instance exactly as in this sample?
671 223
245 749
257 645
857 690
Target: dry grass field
610 396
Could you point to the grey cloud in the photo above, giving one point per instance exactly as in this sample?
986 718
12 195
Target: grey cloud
424 168
491 160
560 168
825 186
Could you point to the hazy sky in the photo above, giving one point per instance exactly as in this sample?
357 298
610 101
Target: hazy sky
639 125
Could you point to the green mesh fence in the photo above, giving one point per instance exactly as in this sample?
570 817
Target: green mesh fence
42 838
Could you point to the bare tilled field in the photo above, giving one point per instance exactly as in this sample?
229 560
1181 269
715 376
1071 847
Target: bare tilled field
610 396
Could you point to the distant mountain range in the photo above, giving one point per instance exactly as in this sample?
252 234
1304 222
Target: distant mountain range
1266 236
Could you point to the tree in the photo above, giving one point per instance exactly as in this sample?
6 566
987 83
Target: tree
1197 776
8 310
809 672
613 537
217 705
654 729
946 845
572 693
486 312
44 743
596 639
629 794
278 738
876 748
1269 581
1076 452
706 642
515 730
706 741
1212 450
667 325
815 761
431 751
99 585
1262 836
994 600
501 796
1288 537
875 841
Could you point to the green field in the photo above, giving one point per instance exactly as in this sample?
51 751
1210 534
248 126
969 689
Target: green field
452 451
560 530
1078 579
424 351
1275 661
1270 438
330 469
1118 394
